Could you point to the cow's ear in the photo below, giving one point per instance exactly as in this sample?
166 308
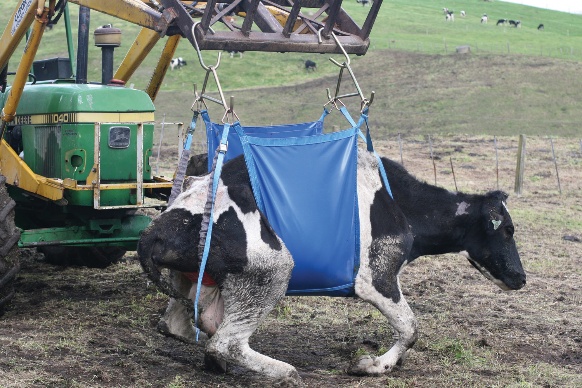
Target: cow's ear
495 219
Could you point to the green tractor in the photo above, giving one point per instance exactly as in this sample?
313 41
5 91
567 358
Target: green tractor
75 155
74 162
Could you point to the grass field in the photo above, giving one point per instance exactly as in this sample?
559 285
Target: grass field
411 25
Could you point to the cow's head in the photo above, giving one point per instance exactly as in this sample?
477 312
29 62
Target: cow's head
490 246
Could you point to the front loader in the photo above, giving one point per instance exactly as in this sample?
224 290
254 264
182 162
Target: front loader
75 153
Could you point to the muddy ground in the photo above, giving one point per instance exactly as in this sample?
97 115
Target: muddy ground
79 327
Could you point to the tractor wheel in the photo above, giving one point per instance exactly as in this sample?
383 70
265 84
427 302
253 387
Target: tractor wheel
92 257
9 253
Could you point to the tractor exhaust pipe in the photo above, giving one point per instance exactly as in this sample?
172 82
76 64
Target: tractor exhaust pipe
83 45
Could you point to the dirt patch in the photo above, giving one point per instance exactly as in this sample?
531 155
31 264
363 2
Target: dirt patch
77 327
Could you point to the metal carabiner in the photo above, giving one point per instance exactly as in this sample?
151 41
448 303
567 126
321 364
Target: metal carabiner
364 102
211 69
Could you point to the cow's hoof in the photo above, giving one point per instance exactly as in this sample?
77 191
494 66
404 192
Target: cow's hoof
188 336
366 366
215 365
293 380
403 358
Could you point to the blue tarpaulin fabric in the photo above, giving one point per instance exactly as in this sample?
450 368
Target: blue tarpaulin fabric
214 133
305 182
307 188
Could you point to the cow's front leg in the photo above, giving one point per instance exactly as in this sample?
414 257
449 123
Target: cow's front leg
177 320
377 283
402 319
248 299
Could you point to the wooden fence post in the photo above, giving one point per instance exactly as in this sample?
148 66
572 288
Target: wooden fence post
453 171
496 161
556 165
432 158
520 165
400 147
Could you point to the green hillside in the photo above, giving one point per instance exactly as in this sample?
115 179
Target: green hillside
514 81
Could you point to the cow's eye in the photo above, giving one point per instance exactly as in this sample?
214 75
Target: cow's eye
509 230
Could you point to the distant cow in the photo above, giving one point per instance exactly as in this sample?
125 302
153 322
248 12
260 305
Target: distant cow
177 63
515 23
363 2
232 53
541 27
310 65
501 21
484 18
463 14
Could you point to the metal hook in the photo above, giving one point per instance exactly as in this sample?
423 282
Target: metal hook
346 65
211 69
207 68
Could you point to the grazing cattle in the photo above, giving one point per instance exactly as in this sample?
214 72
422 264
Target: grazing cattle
501 21
484 18
177 63
541 27
232 53
515 23
363 2
251 265
449 15
310 65
463 14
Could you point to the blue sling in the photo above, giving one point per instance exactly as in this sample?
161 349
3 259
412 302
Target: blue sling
305 183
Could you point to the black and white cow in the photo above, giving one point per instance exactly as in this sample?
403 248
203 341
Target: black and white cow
515 23
363 2
484 18
310 65
541 27
232 53
251 266
177 63
502 22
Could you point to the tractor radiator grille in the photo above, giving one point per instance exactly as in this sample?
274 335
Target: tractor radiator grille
47 141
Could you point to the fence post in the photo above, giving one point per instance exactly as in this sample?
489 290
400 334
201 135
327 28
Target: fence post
496 161
556 166
180 139
453 171
400 147
520 165
432 158
160 145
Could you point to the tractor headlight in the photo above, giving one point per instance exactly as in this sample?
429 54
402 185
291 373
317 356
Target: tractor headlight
119 137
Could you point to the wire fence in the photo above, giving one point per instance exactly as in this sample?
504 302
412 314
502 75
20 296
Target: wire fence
526 165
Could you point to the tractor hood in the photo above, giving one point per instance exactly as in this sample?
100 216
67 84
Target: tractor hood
43 98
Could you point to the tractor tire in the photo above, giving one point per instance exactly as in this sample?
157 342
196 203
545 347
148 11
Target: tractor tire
9 253
92 257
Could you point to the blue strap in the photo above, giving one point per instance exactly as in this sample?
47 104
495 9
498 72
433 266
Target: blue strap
324 114
216 177
368 139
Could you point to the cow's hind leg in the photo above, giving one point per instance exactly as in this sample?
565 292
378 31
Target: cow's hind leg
401 318
248 299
